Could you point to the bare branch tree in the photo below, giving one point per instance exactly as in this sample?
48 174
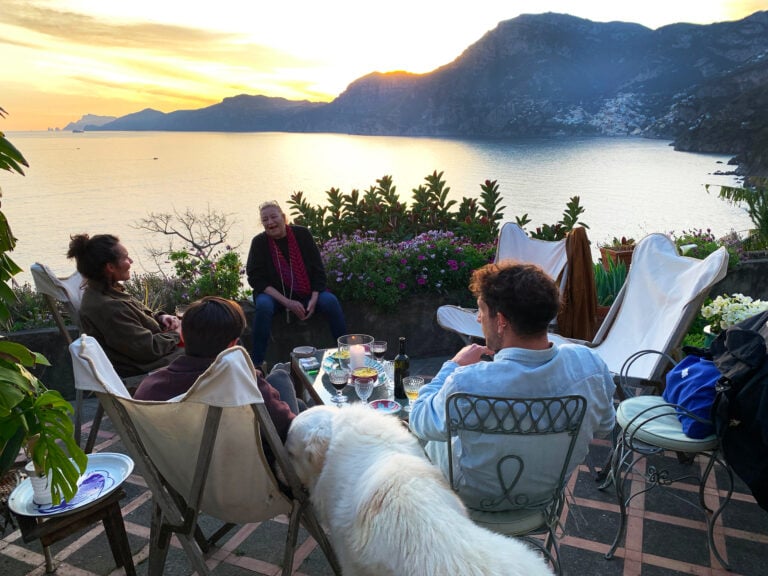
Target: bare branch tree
200 234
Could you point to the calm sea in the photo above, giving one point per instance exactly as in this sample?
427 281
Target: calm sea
100 182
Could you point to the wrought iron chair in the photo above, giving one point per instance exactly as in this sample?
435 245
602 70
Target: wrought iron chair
529 490
650 426
202 452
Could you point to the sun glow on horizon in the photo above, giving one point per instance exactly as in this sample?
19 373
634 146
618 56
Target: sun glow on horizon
66 58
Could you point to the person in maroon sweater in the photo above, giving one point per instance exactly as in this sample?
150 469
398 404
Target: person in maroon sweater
209 326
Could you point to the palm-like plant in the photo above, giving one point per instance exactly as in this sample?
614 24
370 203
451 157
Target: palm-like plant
31 416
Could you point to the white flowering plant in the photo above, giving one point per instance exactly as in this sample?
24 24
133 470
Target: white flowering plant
725 311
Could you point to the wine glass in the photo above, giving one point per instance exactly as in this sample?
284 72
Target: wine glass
411 384
339 378
364 388
378 347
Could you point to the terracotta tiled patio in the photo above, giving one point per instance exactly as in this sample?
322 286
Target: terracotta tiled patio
666 536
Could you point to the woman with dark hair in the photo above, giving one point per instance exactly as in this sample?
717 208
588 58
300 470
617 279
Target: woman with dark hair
135 339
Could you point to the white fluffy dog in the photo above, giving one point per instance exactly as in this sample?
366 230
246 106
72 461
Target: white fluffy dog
388 510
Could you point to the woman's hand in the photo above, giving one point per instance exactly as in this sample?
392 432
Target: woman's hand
170 323
297 308
311 305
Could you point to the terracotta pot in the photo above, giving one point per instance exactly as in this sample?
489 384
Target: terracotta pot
616 255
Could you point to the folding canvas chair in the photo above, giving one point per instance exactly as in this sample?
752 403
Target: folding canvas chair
655 308
69 292
515 244
202 452
530 490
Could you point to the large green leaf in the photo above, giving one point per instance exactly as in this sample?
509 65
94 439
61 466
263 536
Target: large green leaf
10 157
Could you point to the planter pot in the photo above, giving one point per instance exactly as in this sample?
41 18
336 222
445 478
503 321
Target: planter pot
41 486
709 336
616 255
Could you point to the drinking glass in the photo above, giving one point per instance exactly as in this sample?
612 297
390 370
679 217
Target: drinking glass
411 384
364 388
339 378
378 348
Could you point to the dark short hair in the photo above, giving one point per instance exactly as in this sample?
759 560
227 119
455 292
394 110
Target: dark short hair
523 293
210 325
93 253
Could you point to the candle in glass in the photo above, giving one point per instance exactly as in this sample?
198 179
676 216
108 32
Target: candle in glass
356 356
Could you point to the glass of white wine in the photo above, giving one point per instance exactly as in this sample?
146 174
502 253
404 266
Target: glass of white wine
411 384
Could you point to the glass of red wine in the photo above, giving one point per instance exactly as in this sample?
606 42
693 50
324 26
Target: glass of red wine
339 378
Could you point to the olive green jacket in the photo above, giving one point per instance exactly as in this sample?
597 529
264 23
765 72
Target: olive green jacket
128 331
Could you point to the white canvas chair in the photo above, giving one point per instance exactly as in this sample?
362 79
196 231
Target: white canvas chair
513 243
655 308
69 292
202 452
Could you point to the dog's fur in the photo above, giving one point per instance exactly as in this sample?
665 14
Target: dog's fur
388 510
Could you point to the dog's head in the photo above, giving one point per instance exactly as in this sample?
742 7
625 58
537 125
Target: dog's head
308 440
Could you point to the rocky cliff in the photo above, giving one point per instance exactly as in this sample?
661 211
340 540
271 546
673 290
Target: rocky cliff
702 86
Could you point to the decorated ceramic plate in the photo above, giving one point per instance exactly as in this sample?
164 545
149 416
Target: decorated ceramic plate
385 406
103 474
330 362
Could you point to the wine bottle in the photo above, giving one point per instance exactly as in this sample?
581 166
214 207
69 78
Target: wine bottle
402 367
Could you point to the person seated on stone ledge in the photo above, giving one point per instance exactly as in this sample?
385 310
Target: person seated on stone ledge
286 272
209 326
134 338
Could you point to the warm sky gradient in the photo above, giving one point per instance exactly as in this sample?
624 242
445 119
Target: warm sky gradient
65 58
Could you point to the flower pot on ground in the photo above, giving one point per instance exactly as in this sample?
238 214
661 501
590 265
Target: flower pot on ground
618 250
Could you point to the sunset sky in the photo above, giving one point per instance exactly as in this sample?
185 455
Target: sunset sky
65 58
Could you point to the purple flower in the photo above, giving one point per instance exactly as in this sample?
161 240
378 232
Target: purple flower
388 279
422 257
421 280
453 265
403 261
401 286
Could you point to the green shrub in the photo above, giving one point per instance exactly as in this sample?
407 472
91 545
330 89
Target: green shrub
220 274
379 208
698 243
28 310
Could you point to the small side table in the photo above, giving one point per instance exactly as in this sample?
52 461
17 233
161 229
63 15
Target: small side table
51 529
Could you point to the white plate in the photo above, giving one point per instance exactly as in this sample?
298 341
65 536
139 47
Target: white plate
103 474
330 362
385 406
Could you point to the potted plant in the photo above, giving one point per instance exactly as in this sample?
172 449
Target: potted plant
617 250
31 416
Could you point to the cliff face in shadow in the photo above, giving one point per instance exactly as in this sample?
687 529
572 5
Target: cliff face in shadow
549 74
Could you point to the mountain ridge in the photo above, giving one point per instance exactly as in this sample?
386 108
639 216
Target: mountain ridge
543 75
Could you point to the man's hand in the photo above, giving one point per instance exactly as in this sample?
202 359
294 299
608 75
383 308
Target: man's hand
472 354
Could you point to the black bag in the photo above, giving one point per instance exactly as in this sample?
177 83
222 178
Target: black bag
740 410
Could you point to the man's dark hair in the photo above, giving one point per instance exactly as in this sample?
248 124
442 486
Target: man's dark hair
210 325
527 297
